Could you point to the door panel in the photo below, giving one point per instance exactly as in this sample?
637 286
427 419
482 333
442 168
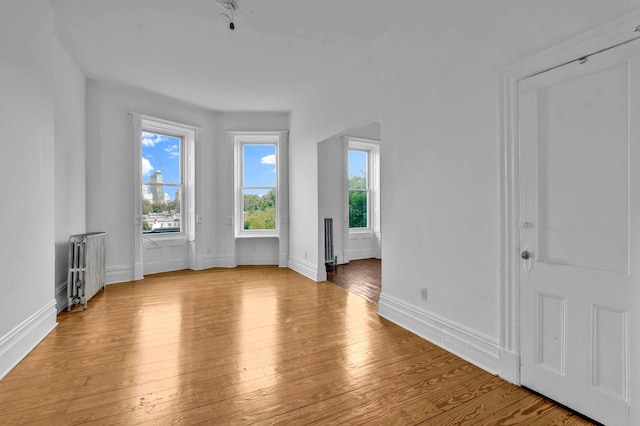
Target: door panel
609 350
577 212
551 325
583 128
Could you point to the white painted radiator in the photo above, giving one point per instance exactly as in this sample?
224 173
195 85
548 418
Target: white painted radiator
87 258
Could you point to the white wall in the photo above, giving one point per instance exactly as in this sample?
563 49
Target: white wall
70 156
27 304
433 83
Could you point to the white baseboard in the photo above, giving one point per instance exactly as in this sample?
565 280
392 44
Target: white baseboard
304 267
206 262
61 297
137 272
257 260
120 274
461 341
350 255
226 261
17 344
510 367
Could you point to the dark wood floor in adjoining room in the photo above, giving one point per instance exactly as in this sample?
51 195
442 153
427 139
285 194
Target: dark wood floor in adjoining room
362 277
251 345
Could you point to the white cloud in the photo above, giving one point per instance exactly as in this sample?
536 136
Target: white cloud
150 139
173 151
269 159
147 168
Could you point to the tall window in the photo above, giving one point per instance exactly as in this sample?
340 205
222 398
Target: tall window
257 184
358 188
162 182
363 184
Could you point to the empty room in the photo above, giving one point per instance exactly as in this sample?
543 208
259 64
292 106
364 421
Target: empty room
190 185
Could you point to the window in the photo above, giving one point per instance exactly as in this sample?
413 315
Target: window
358 188
162 182
257 201
164 178
362 184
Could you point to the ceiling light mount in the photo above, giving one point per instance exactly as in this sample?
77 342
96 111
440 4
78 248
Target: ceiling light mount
230 7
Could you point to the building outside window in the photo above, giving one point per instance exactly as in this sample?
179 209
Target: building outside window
162 182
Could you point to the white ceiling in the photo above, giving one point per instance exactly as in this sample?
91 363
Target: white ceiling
184 48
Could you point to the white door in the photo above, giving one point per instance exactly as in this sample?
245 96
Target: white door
580 229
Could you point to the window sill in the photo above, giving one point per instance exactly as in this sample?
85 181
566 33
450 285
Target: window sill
164 235
360 234
256 235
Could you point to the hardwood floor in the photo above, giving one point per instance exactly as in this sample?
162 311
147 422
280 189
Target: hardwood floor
252 345
361 277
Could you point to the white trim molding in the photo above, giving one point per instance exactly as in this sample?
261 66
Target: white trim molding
278 139
305 268
189 136
61 297
594 40
122 274
16 344
468 344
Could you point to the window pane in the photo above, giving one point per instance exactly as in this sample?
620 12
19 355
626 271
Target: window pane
161 183
358 209
259 165
357 169
259 210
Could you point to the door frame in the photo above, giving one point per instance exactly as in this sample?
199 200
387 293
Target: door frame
594 40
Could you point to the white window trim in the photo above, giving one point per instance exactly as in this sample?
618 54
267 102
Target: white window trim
372 147
189 135
255 138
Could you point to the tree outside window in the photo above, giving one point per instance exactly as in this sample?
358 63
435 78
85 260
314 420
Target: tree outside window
259 186
358 189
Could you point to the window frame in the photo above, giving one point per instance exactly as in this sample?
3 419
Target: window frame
366 190
188 135
240 140
372 148
145 128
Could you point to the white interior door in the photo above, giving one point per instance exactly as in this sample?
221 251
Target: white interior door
579 226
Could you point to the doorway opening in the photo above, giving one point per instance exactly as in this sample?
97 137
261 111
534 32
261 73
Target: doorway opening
349 194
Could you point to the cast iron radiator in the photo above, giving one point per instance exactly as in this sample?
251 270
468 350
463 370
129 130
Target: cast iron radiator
330 261
86 275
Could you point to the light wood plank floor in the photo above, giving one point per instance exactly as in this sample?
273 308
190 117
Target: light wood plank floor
252 345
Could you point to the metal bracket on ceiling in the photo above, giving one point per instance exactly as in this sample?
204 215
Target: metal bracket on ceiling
231 7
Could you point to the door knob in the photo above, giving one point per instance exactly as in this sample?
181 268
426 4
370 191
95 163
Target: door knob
525 255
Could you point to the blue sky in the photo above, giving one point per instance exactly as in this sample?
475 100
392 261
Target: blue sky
357 163
160 152
260 167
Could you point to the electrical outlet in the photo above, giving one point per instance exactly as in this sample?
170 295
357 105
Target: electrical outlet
423 293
